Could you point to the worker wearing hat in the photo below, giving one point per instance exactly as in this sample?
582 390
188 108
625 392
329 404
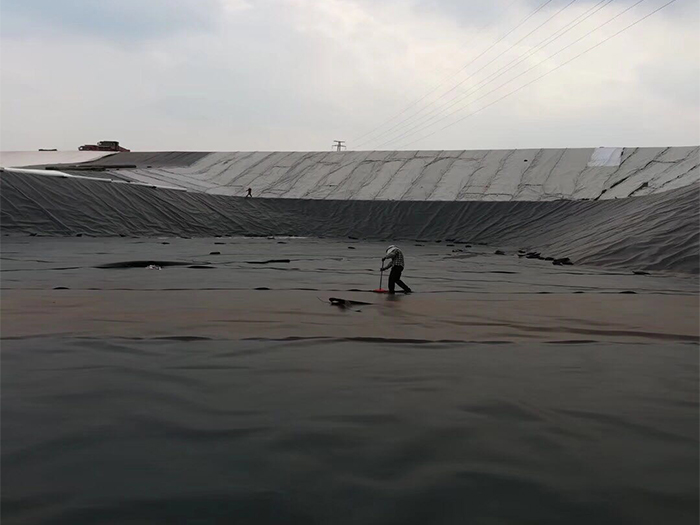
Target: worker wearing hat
396 263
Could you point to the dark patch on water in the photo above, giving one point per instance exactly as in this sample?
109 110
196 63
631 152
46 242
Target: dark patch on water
270 261
339 301
140 264
183 338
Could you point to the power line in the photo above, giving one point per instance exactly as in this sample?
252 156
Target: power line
457 72
544 74
475 72
448 77
523 73
505 69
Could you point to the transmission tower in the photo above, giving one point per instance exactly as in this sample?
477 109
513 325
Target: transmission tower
339 145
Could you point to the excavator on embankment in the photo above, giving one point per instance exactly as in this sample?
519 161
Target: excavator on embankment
104 145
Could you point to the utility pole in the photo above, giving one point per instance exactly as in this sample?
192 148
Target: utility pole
339 145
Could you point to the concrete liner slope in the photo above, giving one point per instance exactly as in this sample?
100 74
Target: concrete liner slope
17 159
529 175
656 232
151 159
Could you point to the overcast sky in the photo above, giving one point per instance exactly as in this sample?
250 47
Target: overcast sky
234 75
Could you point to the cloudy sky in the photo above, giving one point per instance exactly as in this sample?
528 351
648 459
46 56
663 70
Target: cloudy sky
381 74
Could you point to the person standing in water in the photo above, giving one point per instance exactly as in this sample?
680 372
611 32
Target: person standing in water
396 263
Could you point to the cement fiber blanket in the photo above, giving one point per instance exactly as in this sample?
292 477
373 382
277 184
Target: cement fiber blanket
488 175
18 159
500 175
656 232
144 159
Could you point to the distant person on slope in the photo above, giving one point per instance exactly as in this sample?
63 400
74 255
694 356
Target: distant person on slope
250 193
396 263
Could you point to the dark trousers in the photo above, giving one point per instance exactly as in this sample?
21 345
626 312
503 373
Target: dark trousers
395 278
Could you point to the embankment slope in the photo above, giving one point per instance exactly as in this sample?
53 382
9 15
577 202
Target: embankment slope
466 175
654 232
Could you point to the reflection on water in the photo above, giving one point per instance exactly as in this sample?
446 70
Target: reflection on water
328 431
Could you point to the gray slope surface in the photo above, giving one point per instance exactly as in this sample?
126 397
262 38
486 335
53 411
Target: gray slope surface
655 232
479 175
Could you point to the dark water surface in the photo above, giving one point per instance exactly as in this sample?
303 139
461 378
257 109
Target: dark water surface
337 431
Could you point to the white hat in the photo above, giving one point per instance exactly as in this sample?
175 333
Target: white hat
391 249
